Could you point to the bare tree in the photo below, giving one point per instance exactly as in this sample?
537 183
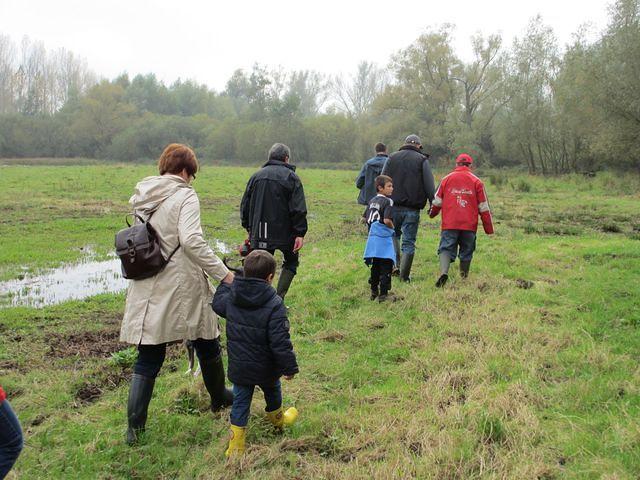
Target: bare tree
356 94
313 90
482 80
7 80
35 81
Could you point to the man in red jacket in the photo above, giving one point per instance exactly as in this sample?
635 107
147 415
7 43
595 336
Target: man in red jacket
461 197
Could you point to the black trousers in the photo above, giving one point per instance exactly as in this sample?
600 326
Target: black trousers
291 260
381 274
151 357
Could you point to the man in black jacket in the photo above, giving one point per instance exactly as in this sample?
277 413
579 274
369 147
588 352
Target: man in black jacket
413 187
274 212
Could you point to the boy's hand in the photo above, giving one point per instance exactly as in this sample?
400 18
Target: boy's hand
289 377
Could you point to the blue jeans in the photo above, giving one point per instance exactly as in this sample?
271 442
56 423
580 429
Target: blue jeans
460 243
242 396
10 438
406 223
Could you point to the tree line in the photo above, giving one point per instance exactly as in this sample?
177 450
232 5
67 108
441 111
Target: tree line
534 105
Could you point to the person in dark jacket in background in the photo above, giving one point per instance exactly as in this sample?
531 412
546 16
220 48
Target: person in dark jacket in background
258 344
413 187
11 440
367 176
274 212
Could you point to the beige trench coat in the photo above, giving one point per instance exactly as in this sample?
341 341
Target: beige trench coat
173 305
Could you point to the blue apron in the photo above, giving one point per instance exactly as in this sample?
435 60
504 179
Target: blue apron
380 242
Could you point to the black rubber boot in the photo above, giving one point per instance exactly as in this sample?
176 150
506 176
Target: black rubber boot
284 282
442 280
405 267
213 376
140 392
464 268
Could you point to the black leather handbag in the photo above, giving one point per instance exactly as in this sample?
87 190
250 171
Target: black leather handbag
138 247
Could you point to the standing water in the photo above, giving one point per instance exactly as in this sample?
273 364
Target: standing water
71 282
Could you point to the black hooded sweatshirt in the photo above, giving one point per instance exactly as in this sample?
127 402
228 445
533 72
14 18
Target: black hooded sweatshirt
273 207
258 341
413 183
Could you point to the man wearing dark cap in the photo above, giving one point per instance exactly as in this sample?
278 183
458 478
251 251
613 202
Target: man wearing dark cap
274 212
413 187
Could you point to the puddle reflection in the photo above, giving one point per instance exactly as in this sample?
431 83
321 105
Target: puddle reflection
73 282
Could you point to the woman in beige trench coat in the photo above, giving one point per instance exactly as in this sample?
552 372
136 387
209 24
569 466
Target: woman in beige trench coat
174 304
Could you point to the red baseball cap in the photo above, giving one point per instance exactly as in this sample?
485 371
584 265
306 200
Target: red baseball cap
464 158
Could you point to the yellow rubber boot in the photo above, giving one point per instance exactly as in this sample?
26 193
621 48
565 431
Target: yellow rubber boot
290 416
236 443
276 418
280 419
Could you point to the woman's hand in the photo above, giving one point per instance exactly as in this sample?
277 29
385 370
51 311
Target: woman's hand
229 278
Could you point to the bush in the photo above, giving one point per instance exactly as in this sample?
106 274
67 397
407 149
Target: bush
522 186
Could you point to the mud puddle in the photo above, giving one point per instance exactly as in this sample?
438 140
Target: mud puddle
75 281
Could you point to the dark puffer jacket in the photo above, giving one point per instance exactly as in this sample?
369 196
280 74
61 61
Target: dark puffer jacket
258 341
367 176
413 183
273 207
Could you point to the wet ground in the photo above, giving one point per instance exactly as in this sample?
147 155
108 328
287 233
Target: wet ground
70 282
76 281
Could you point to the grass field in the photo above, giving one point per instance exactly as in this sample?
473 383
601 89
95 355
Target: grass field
529 369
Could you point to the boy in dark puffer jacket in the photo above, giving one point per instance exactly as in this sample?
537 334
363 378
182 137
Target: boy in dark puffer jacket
258 344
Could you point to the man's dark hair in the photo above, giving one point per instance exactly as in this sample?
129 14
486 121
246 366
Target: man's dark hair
381 148
279 151
259 264
381 181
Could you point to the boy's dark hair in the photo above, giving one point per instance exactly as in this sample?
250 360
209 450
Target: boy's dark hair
381 181
381 148
259 264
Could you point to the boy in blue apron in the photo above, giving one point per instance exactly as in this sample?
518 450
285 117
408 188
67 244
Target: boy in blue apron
379 252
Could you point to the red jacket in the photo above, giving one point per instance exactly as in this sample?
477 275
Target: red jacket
2 395
461 197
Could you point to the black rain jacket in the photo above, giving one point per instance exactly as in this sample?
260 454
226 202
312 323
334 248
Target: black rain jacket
273 207
258 341
413 183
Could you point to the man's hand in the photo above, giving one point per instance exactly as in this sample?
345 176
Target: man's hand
289 377
229 278
298 244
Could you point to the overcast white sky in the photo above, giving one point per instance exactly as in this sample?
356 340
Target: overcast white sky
207 40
